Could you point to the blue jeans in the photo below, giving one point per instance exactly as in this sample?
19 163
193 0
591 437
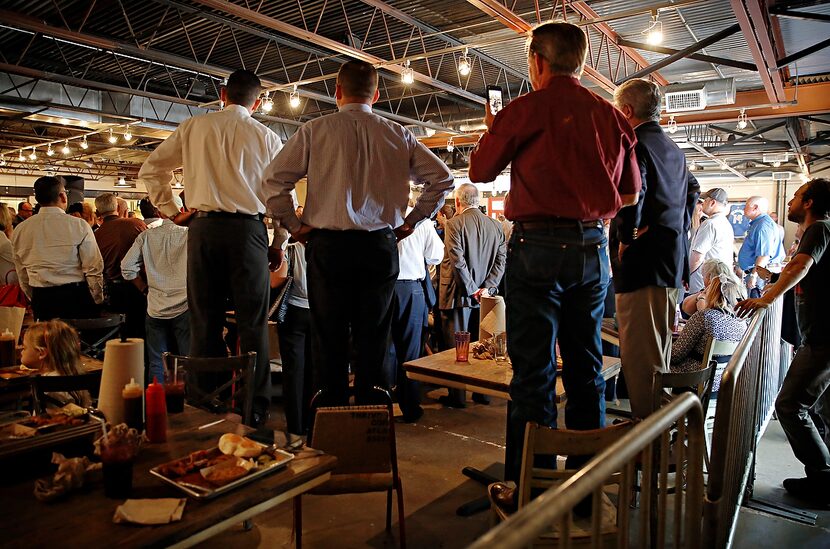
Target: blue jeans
556 281
162 333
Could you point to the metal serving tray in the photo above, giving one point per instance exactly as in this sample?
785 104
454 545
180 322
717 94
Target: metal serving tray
203 491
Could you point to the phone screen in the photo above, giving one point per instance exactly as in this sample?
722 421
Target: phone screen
494 95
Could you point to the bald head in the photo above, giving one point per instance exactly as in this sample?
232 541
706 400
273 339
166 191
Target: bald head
755 206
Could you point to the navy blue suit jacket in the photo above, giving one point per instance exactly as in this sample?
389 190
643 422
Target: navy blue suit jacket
660 256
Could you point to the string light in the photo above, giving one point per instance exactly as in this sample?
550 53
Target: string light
128 134
20 157
464 64
84 144
672 124
742 121
33 155
66 150
654 32
294 98
450 145
267 103
49 151
112 138
407 74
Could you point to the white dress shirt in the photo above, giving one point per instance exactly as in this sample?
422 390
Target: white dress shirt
7 272
422 246
358 166
163 252
53 248
223 156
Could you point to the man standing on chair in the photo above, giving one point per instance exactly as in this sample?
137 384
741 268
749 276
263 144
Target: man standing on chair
808 377
653 250
223 156
358 167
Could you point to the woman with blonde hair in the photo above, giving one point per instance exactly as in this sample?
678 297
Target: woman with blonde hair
8 275
715 318
53 347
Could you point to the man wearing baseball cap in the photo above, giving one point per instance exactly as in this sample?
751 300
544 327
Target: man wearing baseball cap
714 239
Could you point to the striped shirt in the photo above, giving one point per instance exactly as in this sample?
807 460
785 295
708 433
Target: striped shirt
358 166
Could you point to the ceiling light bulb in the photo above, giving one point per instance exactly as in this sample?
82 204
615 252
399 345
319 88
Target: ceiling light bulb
33 155
776 164
742 120
66 149
121 181
112 138
407 74
693 166
294 98
450 145
672 125
20 157
49 151
267 103
128 134
464 64
84 144
654 33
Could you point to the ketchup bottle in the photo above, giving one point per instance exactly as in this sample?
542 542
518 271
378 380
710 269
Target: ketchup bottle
156 412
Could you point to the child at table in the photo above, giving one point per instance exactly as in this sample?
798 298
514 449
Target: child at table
53 347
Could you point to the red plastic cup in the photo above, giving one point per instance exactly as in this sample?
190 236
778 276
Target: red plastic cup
462 346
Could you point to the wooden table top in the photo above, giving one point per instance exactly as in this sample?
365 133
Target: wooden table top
84 518
483 376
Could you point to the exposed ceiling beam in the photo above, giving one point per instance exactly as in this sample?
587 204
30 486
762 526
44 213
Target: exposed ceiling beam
710 156
782 11
327 43
803 53
754 24
747 136
729 31
695 56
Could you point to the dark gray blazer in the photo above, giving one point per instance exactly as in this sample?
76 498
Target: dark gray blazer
474 257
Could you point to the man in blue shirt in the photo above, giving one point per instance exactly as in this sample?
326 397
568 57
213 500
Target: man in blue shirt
762 245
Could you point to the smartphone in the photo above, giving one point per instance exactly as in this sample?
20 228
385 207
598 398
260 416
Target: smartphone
494 96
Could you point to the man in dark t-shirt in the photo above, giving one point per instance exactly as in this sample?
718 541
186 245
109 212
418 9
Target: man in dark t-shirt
809 374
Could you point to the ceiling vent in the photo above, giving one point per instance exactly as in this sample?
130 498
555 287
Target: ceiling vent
771 158
781 176
696 96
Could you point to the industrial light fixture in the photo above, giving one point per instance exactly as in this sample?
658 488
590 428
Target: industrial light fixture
693 166
464 64
672 124
776 164
20 157
128 134
450 145
49 151
33 155
121 182
742 121
294 98
112 138
654 32
66 150
2 159
267 102
84 144
407 74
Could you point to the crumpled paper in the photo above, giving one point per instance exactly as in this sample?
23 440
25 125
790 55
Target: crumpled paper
150 511
71 475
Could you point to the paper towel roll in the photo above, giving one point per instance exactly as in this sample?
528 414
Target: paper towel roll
492 317
123 360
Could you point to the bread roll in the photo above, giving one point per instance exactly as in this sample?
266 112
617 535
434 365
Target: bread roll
248 449
228 443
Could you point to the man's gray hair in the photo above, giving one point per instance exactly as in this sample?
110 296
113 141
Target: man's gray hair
467 194
106 203
643 96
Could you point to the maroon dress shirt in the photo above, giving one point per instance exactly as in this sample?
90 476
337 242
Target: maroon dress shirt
572 154
115 237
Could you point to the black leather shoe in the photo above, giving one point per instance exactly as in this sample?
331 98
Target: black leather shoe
259 418
450 402
808 490
504 496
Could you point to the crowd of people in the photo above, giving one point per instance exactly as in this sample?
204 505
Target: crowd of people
364 268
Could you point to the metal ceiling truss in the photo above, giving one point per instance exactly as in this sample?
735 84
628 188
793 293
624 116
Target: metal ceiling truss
754 21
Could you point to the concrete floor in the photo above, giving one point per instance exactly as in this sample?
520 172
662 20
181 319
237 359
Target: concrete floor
431 454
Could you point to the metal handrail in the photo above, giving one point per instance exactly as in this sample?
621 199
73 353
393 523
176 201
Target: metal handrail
556 503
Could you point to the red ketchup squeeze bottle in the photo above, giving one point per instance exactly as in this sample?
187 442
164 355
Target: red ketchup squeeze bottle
156 412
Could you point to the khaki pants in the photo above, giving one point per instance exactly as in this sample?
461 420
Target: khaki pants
645 319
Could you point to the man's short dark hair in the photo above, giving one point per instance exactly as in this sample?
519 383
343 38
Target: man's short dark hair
48 189
20 206
145 206
818 190
243 88
77 207
563 45
358 79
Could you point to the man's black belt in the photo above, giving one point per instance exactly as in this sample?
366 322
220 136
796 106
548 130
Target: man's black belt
233 215
557 223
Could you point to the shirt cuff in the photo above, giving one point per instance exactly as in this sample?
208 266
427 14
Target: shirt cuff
169 209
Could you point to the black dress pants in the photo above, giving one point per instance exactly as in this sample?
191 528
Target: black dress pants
351 277
228 256
65 301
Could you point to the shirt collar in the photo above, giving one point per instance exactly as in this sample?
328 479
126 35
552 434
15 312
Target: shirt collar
355 107
238 109
51 209
110 217
759 219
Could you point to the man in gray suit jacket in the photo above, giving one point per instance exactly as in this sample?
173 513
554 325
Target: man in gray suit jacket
474 259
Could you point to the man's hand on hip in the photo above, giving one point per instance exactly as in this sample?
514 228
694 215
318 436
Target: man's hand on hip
184 218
